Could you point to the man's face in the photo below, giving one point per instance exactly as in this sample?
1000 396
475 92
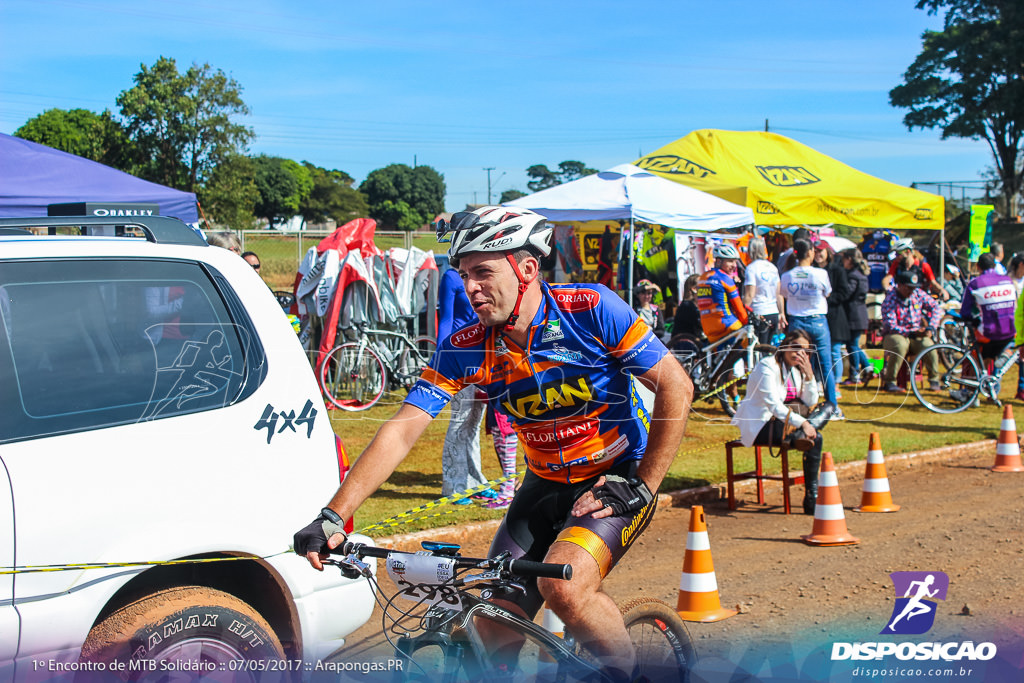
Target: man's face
491 286
253 261
727 265
904 291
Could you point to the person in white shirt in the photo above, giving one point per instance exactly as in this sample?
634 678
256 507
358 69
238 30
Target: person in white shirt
996 249
763 415
806 289
761 291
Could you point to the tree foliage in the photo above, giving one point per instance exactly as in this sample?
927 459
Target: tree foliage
230 195
283 186
80 132
509 195
421 189
332 197
180 124
543 177
968 80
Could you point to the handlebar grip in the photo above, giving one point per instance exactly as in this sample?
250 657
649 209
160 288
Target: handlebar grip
545 570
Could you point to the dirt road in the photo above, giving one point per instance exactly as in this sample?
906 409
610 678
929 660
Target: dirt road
796 600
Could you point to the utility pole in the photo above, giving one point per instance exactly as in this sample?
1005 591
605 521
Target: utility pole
489 169
766 125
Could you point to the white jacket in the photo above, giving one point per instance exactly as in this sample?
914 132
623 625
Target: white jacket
766 396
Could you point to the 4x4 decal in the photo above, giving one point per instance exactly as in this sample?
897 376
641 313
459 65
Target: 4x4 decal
270 417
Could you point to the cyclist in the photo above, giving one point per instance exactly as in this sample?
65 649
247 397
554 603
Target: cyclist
910 259
560 361
718 298
993 296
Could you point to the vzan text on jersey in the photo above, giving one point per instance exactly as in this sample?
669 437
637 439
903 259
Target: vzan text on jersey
570 394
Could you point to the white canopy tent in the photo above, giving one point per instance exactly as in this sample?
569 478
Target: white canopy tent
628 192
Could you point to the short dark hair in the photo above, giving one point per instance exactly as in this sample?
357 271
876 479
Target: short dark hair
986 262
801 234
250 253
996 248
801 248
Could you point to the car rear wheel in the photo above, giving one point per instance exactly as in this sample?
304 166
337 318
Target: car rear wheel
191 630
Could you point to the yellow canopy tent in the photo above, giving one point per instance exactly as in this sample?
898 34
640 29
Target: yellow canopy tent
788 183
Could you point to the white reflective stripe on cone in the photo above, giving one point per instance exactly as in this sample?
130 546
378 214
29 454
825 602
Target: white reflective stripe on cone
1008 426
698 540
875 457
1008 448
829 512
828 479
698 583
876 485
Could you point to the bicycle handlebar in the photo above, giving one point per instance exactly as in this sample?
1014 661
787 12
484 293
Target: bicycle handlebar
522 568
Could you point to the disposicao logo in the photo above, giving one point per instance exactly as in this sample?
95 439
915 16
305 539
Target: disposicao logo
914 614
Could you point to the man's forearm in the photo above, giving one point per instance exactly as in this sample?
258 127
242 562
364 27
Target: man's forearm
673 394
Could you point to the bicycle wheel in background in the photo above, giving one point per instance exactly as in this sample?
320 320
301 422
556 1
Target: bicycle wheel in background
413 359
958 379
664 651
353 377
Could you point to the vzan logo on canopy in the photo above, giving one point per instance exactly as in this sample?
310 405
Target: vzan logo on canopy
674 165
787 176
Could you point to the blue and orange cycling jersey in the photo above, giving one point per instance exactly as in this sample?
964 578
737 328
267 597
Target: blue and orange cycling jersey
570 393
721 307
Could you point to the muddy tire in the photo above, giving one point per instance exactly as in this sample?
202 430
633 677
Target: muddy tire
191 630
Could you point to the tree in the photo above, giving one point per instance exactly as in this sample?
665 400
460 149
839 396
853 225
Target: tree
332 197
80 132
399 215
543 177
283 186
180 124
509 195
230 195
968 81
421 189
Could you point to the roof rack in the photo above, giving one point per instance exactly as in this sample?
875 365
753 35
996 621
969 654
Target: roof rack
157 229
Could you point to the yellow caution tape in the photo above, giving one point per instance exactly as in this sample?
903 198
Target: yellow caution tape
35 569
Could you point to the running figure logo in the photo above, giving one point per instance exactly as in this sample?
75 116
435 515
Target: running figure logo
913 612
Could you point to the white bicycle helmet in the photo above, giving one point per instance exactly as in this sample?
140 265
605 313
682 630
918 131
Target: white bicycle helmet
495 229
902 244
725 250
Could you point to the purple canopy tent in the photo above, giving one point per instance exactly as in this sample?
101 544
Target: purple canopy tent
33 176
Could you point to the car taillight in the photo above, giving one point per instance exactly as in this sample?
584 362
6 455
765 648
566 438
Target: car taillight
342 472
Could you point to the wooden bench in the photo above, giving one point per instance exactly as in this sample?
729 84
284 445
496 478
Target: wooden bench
758 473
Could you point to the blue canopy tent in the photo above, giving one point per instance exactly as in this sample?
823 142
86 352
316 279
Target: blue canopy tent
33 176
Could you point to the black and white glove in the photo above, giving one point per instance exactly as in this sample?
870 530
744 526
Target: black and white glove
623 494
313 537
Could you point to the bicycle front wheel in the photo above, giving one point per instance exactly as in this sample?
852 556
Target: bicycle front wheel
664 650
958 378
353 377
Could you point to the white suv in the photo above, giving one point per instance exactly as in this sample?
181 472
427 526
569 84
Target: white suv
156 407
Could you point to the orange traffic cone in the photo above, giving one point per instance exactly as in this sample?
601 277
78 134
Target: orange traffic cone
1008 448
551 622
698 589
829 521
876 496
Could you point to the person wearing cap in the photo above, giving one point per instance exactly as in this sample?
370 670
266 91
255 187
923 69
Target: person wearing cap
909 258
560 361
645 307
910 319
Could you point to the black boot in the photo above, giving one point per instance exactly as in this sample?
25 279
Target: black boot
812 460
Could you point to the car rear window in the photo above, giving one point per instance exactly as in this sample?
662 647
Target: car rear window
87 344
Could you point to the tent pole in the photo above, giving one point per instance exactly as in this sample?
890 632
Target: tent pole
942 254
629 282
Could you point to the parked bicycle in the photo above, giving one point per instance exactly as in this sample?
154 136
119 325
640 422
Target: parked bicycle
717 373
963 375
439 638
356 374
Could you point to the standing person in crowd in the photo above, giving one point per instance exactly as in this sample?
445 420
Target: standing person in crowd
786 259
910 259
761 291
1017 275
991 297
645 307
838 322
225 239
910 319
764 418
252 259
687 317
806 291
875 249
460 457
996 249
952 283
589 493
857 275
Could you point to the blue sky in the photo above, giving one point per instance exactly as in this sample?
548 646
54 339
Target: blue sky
462 86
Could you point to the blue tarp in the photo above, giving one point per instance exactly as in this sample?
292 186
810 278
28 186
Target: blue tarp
33 176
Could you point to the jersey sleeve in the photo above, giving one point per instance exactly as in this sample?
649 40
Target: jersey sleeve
446 375
625 336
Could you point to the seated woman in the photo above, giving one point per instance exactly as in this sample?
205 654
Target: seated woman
763 415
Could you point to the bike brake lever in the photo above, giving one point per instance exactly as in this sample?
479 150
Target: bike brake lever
351 567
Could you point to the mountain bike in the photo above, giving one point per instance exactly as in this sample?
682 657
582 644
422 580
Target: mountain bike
356 374
719 370
439 638
963 376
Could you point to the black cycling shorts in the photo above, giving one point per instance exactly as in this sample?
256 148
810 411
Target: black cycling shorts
540 516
